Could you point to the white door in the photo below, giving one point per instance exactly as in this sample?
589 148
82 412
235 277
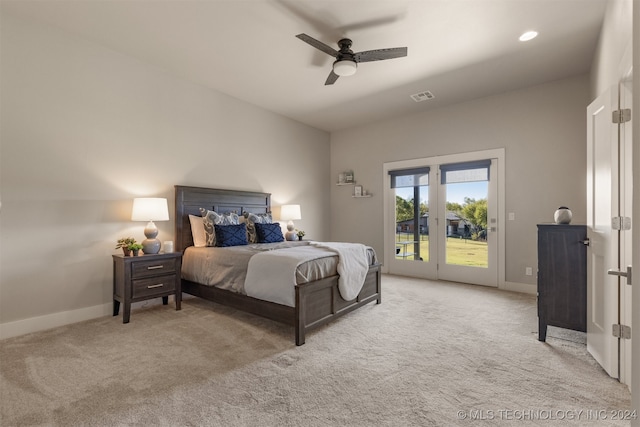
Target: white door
603 251
467 248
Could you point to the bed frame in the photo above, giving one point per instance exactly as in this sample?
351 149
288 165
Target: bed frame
316 303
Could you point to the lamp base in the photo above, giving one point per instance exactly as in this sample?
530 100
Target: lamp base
151 246
290 235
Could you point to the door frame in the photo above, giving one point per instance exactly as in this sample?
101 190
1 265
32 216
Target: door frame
626 206
389 207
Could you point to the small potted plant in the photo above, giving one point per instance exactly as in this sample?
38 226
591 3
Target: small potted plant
135 248
124 244
300 234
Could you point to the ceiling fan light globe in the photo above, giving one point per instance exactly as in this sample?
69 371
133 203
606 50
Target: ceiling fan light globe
345 68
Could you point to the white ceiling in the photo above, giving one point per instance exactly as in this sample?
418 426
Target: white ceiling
458 49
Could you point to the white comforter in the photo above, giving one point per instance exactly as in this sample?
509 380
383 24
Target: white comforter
278 269
271 276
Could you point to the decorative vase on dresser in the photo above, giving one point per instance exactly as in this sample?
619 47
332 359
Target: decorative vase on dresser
562 277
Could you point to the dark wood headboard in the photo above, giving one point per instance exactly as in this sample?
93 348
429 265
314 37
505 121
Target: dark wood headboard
189 200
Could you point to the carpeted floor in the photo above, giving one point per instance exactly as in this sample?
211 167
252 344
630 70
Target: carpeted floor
432 353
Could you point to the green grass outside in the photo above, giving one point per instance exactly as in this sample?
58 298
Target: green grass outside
459 251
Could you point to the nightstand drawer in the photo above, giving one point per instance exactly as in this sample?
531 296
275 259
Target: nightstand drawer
154 286
153 267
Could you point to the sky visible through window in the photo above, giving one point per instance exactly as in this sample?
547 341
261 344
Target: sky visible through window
455 192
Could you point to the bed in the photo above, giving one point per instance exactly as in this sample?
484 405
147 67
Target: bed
316 302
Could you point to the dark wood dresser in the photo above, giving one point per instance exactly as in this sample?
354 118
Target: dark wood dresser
562 277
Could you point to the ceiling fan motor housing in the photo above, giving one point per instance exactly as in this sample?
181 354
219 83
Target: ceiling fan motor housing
345 65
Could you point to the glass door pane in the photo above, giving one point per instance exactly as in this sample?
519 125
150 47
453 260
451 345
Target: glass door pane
412 223
466 224
466 192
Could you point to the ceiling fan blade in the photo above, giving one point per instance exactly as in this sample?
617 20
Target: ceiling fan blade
332 78
318 45
380 54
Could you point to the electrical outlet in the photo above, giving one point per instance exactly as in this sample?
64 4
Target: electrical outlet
528 271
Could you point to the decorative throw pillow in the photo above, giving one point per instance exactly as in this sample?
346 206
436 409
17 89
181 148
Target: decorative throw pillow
197 231
269 233
231 235
252 220
211 218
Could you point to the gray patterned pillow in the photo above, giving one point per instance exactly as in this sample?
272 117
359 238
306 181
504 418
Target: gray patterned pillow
212 218
252 220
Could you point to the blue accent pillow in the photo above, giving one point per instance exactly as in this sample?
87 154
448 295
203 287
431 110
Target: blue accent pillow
231 235
269 233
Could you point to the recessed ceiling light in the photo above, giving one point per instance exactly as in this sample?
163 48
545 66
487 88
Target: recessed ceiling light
529 35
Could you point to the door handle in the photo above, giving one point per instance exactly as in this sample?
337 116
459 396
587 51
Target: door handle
626 274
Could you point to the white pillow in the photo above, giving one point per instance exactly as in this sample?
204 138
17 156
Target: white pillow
197 231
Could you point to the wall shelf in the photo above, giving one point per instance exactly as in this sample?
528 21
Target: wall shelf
345 183
362 197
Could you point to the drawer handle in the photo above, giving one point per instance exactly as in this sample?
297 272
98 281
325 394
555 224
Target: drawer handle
155 286
155 267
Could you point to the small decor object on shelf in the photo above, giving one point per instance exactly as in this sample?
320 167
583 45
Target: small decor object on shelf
300 234
124 243
341 178
357 191
563 215
348 177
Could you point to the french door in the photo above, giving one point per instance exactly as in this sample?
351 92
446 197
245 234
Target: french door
441 217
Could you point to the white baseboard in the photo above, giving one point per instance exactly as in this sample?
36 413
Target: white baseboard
524 288
49 321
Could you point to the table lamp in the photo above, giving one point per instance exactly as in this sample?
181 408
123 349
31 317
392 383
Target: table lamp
150 209
289 213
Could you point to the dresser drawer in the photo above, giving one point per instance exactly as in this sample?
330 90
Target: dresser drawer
153 268
154 286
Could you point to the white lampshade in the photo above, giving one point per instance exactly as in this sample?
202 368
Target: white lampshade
150 209
289 213
345 67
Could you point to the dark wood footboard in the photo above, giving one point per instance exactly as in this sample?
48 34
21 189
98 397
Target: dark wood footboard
319 302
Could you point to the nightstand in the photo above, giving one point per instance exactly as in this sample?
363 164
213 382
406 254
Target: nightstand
139 278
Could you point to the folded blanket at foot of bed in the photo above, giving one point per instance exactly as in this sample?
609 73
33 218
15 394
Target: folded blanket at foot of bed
353 265
277 268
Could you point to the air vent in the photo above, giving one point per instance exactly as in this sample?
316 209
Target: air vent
422 96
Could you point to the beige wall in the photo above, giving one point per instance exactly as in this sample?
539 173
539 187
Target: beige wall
84 130
542 129
614 43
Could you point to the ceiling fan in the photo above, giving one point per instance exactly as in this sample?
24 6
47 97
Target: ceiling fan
346 61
